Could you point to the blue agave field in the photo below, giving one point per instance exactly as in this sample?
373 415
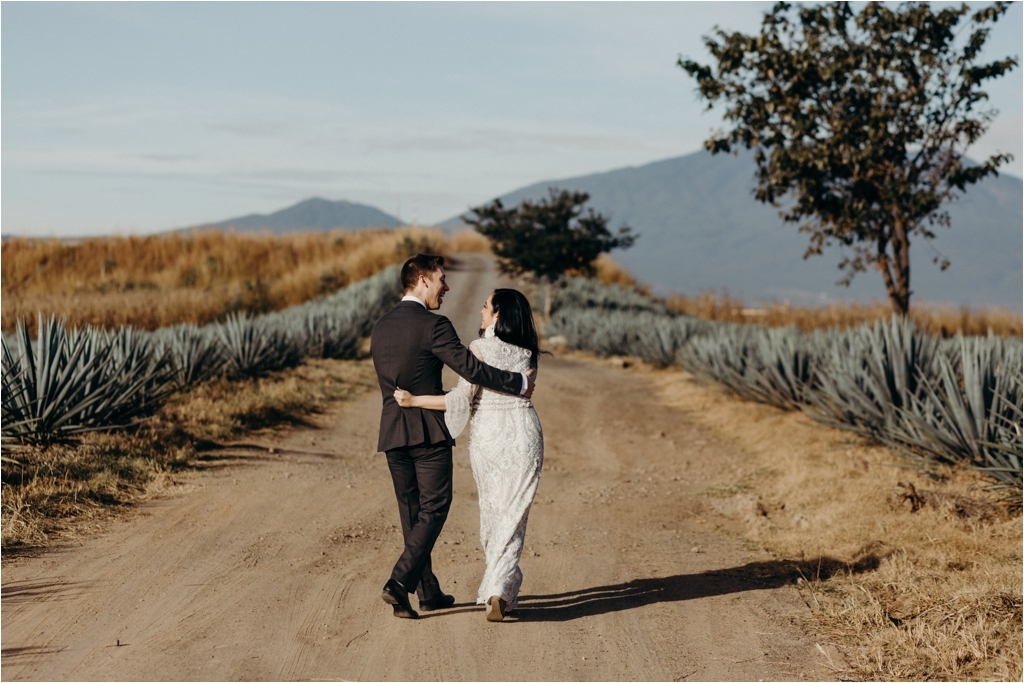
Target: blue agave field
68 381
952 400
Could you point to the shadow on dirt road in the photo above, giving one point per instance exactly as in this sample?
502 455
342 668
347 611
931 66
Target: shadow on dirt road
753 576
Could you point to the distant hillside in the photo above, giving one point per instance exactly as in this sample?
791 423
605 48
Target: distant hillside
312 214
701 229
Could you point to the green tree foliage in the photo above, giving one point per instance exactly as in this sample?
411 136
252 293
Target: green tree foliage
548 238
861 119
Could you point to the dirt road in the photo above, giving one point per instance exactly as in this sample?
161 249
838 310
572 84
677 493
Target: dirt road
269 566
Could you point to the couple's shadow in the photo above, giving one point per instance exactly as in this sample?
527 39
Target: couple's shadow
596 600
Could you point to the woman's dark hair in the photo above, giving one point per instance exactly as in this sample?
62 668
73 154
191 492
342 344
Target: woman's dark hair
515 321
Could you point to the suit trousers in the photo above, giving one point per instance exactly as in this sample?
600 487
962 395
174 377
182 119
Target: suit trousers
422 476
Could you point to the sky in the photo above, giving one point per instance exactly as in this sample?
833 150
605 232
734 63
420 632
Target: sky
133 118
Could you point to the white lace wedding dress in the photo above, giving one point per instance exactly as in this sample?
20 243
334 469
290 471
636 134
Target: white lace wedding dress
506 451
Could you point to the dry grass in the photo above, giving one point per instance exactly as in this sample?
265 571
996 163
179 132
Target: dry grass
160 280
224 410
61 490
608 271
468 241
914 578
942 320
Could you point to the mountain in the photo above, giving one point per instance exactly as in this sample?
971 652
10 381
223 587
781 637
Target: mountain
701 229
312 214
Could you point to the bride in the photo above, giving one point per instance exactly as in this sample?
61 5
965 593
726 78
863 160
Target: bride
506 445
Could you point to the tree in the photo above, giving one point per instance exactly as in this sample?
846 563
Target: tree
862 120
548 238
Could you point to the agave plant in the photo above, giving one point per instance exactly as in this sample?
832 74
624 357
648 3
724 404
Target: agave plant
364 302
654 338
254 347
609 319
770 365
139 374
195 354
83 380
971 410
47 385
329 335
331 327
872 374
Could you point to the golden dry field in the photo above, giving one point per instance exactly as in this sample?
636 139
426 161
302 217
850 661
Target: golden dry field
942 320
197 277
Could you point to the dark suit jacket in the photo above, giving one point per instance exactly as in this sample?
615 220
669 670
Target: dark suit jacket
410 345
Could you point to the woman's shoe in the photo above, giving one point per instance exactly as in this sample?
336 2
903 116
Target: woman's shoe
495 608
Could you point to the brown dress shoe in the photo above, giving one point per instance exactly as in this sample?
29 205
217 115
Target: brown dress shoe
495 608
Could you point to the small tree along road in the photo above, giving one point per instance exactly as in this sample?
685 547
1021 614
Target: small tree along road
549 238
863 120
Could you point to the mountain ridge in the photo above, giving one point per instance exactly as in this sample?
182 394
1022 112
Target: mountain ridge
701 229
314 213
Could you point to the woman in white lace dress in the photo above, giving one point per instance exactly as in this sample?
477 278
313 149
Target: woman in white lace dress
506 444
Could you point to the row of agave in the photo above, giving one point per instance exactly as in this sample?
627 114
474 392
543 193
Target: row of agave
68 381
615 321
655 338
953 400
243 346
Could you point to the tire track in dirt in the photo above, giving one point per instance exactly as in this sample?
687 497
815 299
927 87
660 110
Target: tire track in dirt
270 566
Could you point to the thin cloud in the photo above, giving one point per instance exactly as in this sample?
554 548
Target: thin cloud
252 129
167 158
506 141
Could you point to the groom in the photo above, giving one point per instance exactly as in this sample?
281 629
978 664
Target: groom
410 345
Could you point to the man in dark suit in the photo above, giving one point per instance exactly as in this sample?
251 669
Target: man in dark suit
410 345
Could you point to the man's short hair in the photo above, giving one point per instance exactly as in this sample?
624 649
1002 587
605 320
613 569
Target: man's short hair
420 264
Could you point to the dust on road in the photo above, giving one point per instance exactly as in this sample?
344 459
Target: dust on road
269 566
